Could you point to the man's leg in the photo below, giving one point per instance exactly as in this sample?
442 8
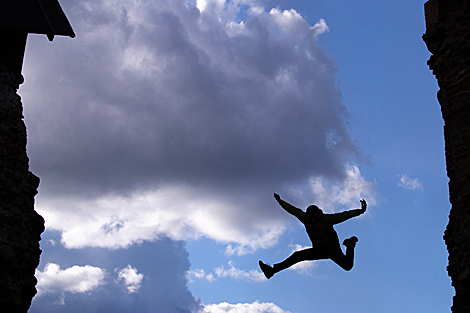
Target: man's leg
296 257
345 261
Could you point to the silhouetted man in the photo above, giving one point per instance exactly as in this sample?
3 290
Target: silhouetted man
325 242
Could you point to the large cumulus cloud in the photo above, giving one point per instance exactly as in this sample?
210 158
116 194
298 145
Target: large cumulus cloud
180 118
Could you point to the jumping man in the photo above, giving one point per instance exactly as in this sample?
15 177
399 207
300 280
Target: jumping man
325 242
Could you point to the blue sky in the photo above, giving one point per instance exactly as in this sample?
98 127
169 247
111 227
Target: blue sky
162 130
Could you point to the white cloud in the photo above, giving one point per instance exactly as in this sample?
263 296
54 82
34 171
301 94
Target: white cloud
222 272
288 20
181 214
199 274
255 307
75 279
320 27
346 193
236 273
410 183
130 278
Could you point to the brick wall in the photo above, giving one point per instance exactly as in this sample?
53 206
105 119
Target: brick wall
448 39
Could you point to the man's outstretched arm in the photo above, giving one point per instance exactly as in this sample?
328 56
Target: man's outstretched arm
337 218
301 215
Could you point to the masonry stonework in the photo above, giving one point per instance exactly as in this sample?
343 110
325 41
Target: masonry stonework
20 225
448 39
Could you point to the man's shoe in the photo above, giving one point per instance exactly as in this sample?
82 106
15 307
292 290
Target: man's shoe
350 242
267 270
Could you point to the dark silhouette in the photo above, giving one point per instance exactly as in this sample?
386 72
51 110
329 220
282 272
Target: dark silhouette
446 24
325 242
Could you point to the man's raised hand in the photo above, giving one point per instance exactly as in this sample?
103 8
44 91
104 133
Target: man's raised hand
276 196
363 205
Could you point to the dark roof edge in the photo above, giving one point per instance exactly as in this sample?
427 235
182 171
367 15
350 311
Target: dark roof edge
35 16
55 16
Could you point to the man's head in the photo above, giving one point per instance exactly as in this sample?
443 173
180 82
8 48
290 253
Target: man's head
314 210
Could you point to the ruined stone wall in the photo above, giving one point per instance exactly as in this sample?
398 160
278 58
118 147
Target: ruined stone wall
20 225
448 39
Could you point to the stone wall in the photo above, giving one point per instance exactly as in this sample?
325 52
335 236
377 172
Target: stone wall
448 39
20 225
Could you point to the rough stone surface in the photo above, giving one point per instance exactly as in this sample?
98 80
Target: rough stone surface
448 39
20 225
